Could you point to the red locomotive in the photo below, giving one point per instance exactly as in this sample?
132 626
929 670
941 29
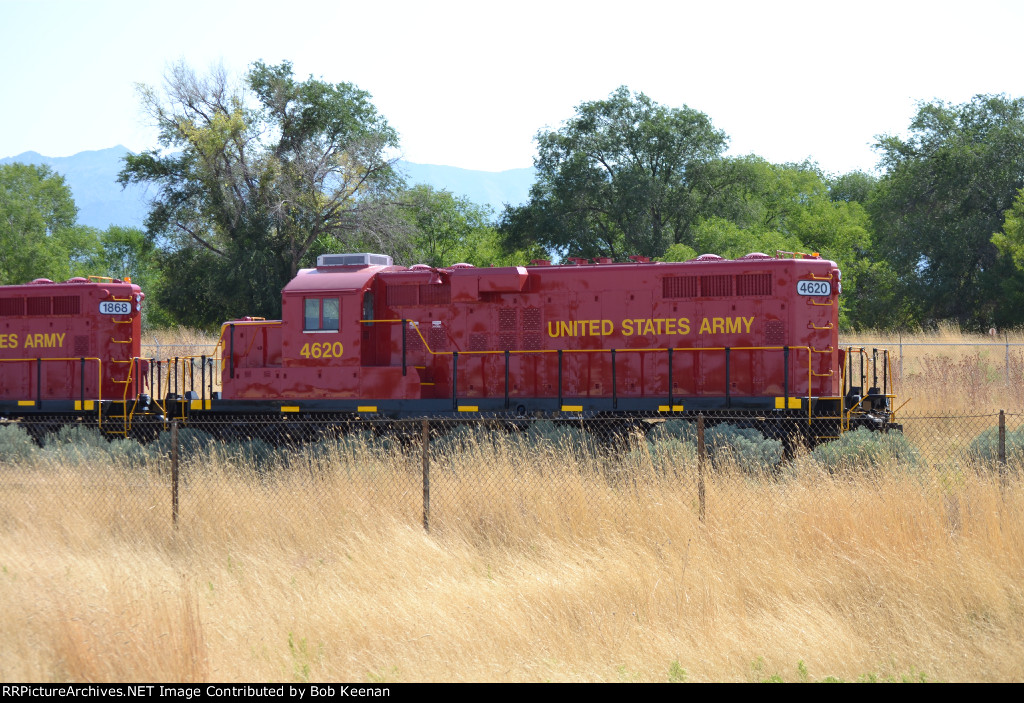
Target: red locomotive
362 337
66 347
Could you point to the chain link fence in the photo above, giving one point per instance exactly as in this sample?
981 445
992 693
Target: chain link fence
437 473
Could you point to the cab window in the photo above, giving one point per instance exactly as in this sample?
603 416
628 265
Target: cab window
321 314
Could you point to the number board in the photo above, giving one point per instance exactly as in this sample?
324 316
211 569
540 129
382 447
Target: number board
813 288
108 307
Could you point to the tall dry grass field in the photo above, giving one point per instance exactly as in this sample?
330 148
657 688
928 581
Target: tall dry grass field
554 564
946 370
950 384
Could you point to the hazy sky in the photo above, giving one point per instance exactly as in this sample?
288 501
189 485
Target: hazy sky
469 84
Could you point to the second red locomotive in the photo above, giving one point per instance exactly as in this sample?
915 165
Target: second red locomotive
360 335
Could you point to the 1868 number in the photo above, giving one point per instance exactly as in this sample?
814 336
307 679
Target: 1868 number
108 307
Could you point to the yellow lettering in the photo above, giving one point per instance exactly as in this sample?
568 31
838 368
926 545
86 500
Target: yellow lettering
28 341
732 325
305 351
747 321
3 341
648 327
657 324
670 326
684 325
14 341
607 327
627 328
704 326
40 339
564 329
60 339
552 332
719 325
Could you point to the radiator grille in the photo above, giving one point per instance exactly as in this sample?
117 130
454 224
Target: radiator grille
754 284
403 295
67 305
435 294
715 286
679 287
12 306
38 306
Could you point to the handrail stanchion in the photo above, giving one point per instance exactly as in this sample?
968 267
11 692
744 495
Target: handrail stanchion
728 390
670 400
615 395
785 375
455 380
559 379
506 378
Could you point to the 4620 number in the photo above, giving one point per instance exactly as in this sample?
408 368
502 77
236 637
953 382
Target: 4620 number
321 350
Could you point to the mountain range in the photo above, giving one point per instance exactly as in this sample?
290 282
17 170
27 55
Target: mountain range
92 177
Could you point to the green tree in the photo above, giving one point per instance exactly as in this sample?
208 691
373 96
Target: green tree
624 176
444 224
126 252
1010 239
790 207
39 237
945 191
449 229
852 187
254 180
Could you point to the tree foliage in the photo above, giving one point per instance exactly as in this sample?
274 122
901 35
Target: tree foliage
624 176
944 193
449 229
253 180
790 207
39 237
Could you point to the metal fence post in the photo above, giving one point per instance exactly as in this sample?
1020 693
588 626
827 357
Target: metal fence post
426 475
174 473
1002 442
701 456
901 357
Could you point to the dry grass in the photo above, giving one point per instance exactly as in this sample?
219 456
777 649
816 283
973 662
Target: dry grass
535 569
947 371
181 341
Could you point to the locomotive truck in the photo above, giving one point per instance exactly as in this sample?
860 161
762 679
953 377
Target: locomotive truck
362 338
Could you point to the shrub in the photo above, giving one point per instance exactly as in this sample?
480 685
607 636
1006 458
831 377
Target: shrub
725 444
76 444
16 444
864 449
985 447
